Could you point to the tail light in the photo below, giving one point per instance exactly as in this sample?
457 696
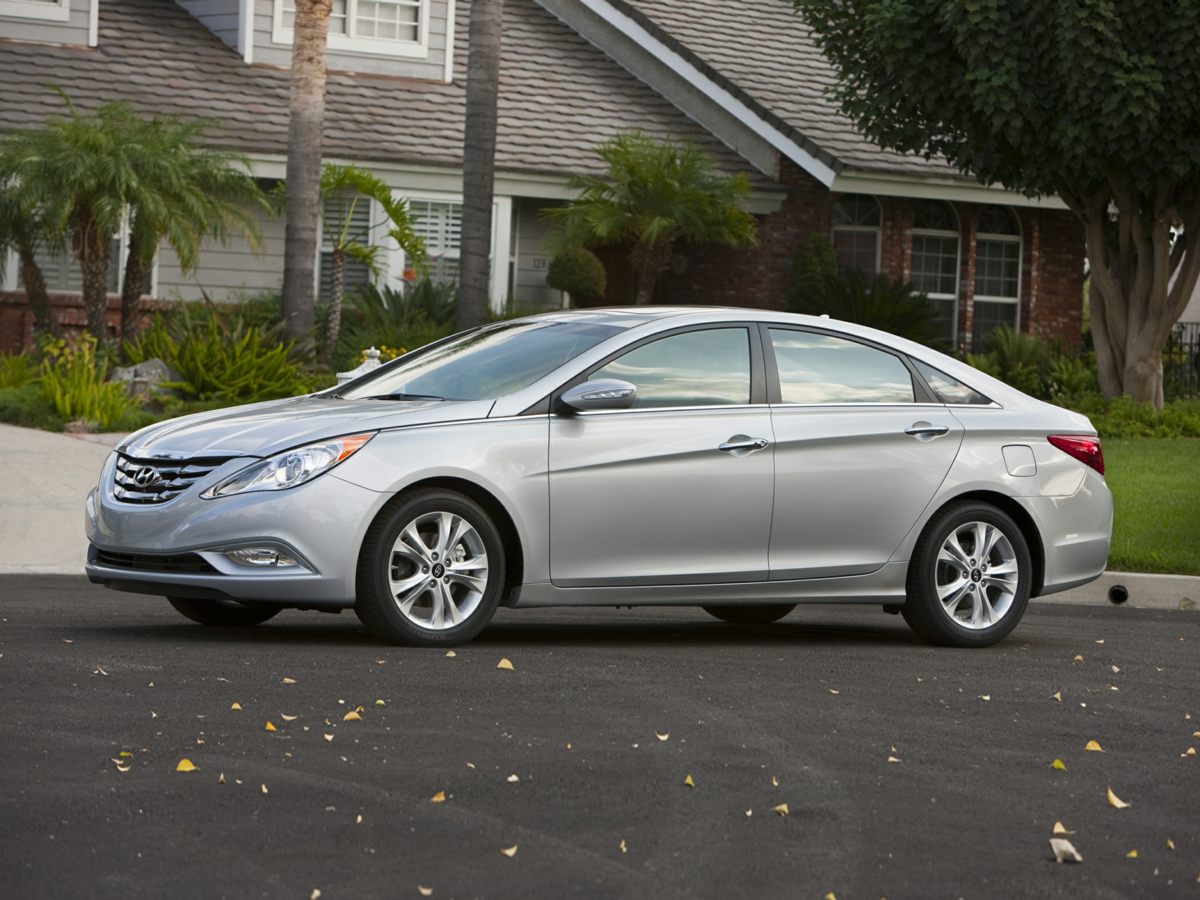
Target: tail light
1084 448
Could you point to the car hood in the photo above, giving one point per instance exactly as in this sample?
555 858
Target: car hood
262 429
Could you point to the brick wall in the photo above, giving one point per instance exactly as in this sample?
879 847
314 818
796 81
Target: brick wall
16 318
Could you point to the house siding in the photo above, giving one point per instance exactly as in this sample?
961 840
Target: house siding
431 67
72 31
532 257
225 272
221 17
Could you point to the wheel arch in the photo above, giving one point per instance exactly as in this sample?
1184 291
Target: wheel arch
1029 530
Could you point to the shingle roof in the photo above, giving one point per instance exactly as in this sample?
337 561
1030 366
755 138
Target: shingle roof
559 95
765 52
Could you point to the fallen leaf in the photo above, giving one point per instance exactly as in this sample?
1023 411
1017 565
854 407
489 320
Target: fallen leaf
1078 657
1115 801
352 716
506 664
1101 641
568 745
1057 695
236 706
1196 734
439 797
289 681
1058 764
288 718
358 819
1115 670
749 812
66 641
380 703
893 759
153 714
781 809
1191 751
315 895
185 765
271 727
470 765
424 891
123 767
328 737
624 848
451 654
510 852
830 896
264 789
985 697
1132 854
663 736
1170 844
1093 745
688 781
1064 851
1060 828
513 778
774 781
221 778
125 753
100 671
832 691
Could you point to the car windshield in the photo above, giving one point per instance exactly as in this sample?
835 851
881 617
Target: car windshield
482 364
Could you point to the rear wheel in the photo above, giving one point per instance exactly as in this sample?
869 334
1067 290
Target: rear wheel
224 613
969 577
758 614
431 570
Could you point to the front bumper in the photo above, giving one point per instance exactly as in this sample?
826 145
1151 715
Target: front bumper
322 523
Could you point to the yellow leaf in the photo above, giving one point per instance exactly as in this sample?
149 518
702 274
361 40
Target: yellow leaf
185 765
624 848
1191 751
270 727
315 895
830 896
1101 641
1115 670
1064 851
470 765
663 736
1058 764
1078 657
1093 745
123 767
288 718
688 781
358 819
505 664
774 781
221 778
328 737
236 706
289 681
451 654
1057 695
832 691
380 703
1115 801
1132 854
439 797
264 789
985 697
510 852
1060 828
893 759
125 753
351 716
781 809
513 778
1196 734
568 745
1170 844
424 891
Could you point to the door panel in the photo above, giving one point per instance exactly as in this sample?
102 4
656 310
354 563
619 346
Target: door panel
850 483
646 497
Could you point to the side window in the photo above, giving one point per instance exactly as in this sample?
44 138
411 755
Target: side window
818 368
696 368
949 390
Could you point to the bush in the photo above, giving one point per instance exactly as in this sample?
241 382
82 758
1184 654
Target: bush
17 370
888 305
1039 369
76 385
1123 418
579 272
815 262
28 407
400 320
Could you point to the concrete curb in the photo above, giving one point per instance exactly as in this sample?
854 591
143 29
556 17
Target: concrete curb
1142 591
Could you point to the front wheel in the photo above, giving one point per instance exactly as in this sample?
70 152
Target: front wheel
969 578
757 614
431 570
224 613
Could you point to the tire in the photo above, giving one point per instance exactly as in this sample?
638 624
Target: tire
224 613
404 581
758 614
955 597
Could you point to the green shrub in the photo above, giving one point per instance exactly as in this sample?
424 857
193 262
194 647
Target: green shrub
401 320
1123 418
77 387
29 407
815 262
18 370
888 305
579 272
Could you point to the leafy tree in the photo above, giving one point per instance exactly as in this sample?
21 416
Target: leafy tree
579 272
479 160
655 194
360 186
1097 102
306 126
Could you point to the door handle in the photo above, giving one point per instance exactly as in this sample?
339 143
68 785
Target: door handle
741 442
925 431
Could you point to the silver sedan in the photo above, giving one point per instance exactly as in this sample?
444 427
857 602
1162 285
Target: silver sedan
739 460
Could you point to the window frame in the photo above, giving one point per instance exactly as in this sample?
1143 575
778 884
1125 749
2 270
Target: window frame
877 230
366 46
51 11
922 395
941 233
1019 240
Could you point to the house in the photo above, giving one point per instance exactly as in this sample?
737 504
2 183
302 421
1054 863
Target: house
742 80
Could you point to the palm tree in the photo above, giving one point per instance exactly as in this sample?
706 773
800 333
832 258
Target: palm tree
183 194
340 233
654 194
306 124
479 160
22 230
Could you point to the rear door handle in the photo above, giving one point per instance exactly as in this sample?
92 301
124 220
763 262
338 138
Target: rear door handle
924 431
741 442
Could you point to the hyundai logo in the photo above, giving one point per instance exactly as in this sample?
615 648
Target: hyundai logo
146 476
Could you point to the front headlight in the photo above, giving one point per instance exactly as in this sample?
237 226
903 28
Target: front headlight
290 468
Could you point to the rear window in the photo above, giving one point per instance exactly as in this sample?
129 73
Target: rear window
949 390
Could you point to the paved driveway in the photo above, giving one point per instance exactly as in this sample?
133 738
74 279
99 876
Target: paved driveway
804 713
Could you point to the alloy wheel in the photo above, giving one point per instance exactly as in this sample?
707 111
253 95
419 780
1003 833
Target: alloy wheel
977 575
438 570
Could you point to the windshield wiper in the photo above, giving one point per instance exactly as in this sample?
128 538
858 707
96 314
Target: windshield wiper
403 396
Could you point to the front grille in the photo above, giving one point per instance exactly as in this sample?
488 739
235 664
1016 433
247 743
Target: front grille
159 480
187 563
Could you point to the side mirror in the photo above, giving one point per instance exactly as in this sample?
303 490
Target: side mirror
603 393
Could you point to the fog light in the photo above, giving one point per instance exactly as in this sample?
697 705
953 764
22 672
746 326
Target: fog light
262 557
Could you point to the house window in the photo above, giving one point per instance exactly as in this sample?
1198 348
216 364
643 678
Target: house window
439 223
935 261
857 223
997 273
353 214
389 27
63 274
49 10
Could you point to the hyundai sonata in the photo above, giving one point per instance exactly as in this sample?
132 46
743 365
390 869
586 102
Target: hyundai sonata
739 460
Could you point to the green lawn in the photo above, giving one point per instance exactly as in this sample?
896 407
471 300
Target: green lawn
1155 484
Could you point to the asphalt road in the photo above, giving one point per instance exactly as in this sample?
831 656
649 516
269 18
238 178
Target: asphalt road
805 713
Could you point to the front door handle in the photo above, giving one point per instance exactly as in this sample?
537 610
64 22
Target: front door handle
741 442
924 431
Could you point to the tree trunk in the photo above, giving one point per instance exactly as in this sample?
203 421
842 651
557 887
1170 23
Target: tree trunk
479 161
92 246
649 261
36 293
333 319
306 120
136 271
